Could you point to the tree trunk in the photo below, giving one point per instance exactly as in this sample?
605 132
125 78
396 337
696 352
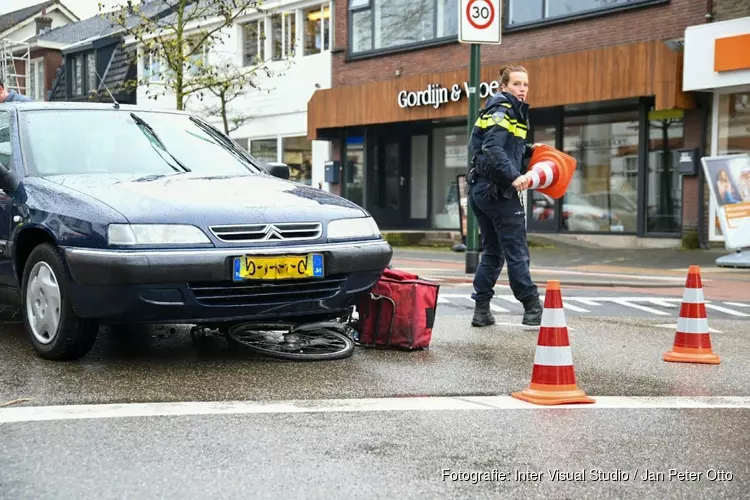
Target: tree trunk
223 98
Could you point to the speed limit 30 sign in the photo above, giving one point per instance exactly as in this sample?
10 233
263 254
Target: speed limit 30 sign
480 21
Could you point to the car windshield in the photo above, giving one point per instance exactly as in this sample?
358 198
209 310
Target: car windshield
124 142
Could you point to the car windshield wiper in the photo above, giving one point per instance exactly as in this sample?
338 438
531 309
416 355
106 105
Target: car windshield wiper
161 147
238 152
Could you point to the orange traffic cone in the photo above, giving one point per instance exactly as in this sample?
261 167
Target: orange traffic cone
550 171
553 379
692 340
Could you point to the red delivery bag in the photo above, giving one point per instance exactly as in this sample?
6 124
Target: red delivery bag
399 312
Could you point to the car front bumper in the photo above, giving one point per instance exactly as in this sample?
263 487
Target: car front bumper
196 286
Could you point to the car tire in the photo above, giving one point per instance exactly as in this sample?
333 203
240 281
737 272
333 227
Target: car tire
44 295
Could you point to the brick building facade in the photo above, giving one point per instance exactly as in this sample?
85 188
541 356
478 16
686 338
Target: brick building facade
606 87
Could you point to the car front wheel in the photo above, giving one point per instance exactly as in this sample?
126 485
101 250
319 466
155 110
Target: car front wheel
55 331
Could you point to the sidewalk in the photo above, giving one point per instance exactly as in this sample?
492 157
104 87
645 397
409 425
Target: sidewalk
665 269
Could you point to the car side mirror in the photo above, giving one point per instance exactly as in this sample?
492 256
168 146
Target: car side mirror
280 170
9 181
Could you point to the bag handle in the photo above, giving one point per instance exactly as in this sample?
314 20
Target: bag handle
377 298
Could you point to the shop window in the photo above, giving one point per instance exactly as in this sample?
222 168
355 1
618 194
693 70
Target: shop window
449 160
317 37
602 196
663 183
297 153
522 12
354 170
734 138
254 36
389 24
265 150
543 207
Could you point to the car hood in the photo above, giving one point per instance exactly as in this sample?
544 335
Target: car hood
205 200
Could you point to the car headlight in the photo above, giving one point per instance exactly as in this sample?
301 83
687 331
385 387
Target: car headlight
154 234
362 227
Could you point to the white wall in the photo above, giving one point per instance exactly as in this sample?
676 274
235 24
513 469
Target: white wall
23 34
279 107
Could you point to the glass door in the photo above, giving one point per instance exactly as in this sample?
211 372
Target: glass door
389 190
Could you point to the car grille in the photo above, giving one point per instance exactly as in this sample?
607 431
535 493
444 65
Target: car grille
283 231
265 292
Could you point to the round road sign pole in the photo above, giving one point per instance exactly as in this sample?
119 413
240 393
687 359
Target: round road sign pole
472 233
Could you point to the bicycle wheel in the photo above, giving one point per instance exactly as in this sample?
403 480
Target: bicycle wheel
294 342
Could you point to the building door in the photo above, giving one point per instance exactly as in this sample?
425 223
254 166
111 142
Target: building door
388 193
542 212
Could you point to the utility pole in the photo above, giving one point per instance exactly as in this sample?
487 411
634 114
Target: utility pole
472 232
479 23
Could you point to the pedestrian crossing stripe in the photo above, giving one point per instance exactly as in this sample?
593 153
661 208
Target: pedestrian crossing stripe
645 304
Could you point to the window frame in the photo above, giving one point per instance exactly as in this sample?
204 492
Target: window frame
370 5
291 48
87 58
578 16
38 92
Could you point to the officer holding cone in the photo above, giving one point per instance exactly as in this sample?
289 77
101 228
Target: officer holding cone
498 147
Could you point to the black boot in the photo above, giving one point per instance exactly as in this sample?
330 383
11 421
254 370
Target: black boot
532 312
482 315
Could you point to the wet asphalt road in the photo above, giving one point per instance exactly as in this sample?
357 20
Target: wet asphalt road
373 454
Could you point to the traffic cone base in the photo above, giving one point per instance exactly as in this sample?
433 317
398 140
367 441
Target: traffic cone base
551 171
692 340
545 394
692 356
553 379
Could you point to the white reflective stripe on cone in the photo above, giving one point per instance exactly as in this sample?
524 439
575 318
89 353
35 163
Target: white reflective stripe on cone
553 318
692 325
535 180
553 356
693 296
547 166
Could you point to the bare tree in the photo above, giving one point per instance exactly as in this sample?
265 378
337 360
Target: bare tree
180 33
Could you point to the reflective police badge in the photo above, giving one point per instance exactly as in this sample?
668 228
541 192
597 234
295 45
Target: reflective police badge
498 117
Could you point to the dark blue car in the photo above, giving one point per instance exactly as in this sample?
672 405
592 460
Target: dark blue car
128 215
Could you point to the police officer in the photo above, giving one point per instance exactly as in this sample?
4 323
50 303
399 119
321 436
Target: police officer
498 147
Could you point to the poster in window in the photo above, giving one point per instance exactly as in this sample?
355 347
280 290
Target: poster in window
729 182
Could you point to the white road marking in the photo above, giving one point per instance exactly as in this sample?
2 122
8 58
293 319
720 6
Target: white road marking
497 308
426 403
569 303
628 303
727 310
588 302
673 326
663 302
443 300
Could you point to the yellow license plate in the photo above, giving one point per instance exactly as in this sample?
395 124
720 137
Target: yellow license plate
278 267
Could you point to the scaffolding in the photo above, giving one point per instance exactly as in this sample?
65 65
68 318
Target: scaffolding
15 62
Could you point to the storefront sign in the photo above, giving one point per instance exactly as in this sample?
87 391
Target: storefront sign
729 181
435 94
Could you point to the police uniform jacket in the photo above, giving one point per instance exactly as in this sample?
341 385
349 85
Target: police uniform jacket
498 139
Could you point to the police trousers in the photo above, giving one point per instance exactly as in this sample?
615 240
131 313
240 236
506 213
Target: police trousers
503 232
